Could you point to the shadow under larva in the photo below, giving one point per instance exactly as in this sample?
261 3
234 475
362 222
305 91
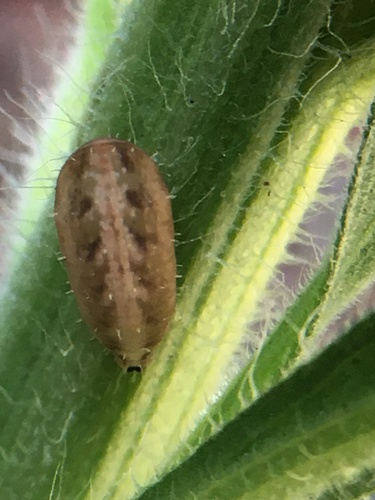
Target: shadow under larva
115 227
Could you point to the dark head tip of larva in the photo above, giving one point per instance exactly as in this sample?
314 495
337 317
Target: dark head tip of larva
137 369
134 364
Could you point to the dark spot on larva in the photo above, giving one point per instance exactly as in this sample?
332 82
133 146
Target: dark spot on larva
141 304
151 320
126 161
140 241
121 269
75 198
100 289
145 281
92 249
149 344
135 199
84 206
138 268
108 319
78 163
111 343
145 355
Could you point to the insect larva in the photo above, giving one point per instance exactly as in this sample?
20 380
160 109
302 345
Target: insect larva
114 222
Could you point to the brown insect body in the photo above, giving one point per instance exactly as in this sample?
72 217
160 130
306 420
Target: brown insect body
115 227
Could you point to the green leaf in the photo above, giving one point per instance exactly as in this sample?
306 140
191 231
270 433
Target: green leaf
211 89
310 437
353 264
